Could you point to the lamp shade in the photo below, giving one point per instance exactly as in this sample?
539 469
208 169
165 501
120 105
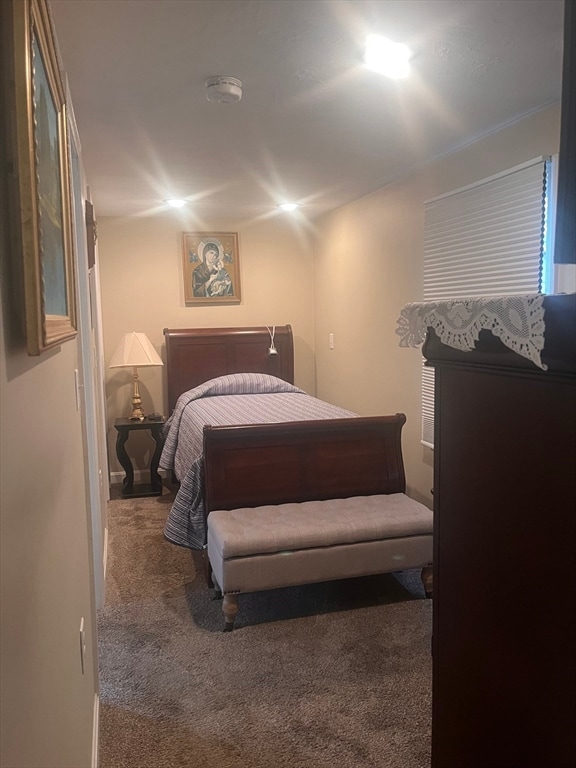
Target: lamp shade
135 350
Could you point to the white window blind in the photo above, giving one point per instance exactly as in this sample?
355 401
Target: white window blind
486 239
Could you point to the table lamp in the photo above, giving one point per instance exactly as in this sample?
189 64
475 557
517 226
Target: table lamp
134 351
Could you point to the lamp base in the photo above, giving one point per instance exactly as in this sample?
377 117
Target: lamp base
137 412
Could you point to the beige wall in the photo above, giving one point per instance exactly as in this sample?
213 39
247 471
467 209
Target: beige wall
46 580
369 263
142 290
46 585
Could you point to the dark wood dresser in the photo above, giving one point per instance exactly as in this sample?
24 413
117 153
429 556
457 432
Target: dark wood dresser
504 639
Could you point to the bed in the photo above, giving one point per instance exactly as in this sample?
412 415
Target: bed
278 488
226 377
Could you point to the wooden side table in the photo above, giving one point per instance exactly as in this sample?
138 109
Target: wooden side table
154 487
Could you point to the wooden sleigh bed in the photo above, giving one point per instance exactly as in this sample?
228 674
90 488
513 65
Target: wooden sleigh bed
337 479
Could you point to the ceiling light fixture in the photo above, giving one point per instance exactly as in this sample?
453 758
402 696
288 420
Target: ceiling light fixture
176 202
288 206
224 90
388 58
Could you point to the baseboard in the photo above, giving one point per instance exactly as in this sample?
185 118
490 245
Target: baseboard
140 476
95 730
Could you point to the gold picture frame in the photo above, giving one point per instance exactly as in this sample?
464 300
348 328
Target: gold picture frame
211 268
43 175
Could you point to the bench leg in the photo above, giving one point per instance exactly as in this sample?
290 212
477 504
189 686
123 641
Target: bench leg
230 609
427 580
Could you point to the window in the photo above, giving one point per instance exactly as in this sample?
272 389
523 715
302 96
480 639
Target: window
491 238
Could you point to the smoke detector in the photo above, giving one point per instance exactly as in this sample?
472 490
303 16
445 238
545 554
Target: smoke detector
225 90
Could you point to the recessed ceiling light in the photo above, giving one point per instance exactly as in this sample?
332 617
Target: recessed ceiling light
288 206
388 58
176 202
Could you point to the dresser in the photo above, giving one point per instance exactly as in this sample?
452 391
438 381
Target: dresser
504 639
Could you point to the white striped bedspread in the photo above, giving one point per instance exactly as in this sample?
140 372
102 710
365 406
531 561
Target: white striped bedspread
239 398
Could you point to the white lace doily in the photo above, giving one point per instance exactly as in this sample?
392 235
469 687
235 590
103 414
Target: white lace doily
518 321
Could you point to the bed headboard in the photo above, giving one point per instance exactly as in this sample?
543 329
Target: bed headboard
195 355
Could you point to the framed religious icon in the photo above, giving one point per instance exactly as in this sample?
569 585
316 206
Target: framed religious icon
211 268
43 179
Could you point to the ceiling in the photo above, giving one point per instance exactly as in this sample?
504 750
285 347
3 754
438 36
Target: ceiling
313 125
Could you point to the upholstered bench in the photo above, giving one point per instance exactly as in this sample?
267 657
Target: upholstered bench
266 547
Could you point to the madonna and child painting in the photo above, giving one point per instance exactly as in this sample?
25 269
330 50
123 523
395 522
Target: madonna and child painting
211 268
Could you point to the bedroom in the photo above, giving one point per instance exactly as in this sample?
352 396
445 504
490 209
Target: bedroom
298 268
282 281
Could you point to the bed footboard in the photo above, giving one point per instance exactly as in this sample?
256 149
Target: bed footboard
250 466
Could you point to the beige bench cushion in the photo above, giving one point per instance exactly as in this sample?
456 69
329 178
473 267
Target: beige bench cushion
312 524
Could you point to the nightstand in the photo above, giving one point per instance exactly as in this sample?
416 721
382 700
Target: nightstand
154 487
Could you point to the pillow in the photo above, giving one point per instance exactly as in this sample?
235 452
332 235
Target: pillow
232 384
241 384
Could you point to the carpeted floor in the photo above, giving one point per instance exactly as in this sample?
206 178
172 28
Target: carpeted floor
335 674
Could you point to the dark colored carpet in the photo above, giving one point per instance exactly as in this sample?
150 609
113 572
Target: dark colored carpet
333 674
